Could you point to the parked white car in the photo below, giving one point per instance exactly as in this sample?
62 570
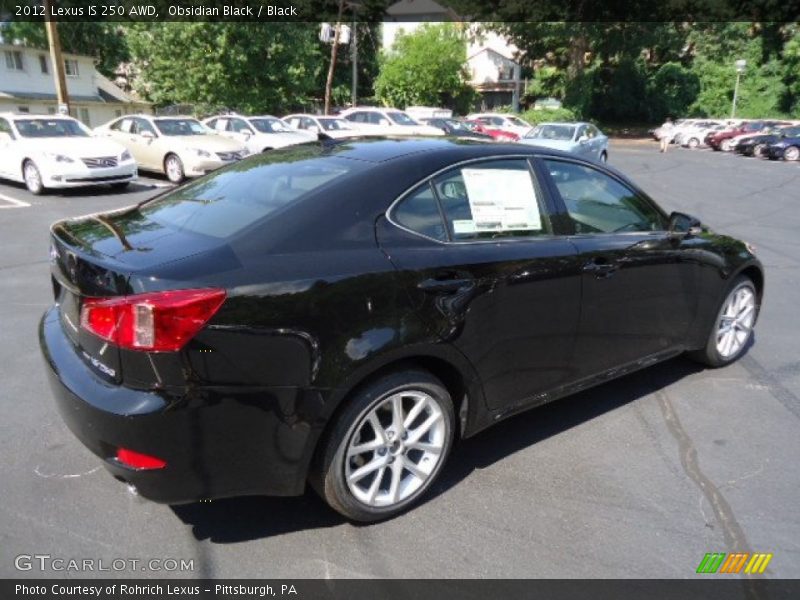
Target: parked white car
386 121
48 151
503 121
334 127
179 147
258 134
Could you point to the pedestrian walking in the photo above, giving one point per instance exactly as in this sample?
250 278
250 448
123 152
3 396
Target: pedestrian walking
666 134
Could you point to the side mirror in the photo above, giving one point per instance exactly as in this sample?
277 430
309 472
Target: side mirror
247 133
682 225
148 135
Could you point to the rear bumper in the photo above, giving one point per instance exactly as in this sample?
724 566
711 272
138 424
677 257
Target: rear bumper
216 442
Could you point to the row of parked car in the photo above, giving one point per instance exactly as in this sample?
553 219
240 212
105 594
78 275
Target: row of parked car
53 151
765 138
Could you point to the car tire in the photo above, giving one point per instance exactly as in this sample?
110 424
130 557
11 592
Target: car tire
693 143
266 150
173 168
758 150
119 186
791 153
604 157
33 178
736 315
726 146
402 471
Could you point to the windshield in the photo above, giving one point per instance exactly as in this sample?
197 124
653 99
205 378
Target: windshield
553 132
518 122
456 125
41 128
334 124
180 127
226 202
401 118
270 125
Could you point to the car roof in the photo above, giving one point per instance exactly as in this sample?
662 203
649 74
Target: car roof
387 148
570 123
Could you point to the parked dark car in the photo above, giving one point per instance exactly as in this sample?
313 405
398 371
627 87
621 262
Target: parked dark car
787 147
720 140
456 128
339 313
756 144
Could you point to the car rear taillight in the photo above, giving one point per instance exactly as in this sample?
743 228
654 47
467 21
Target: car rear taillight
152 322
137 460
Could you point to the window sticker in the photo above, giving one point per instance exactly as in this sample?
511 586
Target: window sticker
463 226
502 200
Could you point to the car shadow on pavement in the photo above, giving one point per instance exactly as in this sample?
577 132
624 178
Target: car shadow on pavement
243 519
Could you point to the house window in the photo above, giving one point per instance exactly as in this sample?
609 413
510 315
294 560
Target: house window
71 67
51 110
43 64
14 60
84 112
118 113
24 109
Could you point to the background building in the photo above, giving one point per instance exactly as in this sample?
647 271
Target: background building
27 85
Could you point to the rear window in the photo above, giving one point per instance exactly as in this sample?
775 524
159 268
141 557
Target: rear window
226 202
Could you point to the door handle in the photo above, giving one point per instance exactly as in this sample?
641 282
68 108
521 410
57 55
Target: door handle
601 268
445 285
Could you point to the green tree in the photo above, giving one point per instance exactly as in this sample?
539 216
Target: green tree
426 67
248 67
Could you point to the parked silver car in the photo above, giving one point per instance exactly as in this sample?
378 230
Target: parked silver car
583 139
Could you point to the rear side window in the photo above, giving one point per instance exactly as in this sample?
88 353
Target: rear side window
483 200
419 212
227 201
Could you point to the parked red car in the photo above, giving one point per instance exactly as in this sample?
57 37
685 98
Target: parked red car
497 134
720 140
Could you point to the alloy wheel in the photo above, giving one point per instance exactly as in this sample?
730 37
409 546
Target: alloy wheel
736 321
33 179
792 153
395 447
174 169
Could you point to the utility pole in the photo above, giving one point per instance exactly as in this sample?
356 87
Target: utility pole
354 48
329 82
56 59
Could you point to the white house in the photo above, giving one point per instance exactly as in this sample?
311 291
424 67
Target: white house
490 57
27 85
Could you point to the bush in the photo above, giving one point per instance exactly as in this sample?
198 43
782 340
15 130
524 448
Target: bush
534 117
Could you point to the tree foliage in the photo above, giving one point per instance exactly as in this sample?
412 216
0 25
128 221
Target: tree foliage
426 67
249 67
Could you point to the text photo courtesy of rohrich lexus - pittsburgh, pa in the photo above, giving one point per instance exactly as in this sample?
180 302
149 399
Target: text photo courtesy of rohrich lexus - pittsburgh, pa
370 299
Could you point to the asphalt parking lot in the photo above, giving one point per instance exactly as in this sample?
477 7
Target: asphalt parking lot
638 478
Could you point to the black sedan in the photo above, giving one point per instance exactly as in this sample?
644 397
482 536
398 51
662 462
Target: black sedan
340 313
756 145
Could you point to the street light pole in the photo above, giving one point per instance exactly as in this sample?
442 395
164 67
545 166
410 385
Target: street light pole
354 48
740 66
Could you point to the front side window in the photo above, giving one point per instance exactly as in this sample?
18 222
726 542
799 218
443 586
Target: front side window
142 125
239 126
598 203
552 132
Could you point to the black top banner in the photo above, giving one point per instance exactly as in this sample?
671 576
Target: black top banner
403 10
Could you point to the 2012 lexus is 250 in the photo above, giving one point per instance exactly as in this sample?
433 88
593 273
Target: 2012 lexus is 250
340 312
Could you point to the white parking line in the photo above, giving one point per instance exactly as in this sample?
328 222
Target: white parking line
14 203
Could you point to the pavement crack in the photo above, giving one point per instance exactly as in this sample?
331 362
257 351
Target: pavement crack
734 535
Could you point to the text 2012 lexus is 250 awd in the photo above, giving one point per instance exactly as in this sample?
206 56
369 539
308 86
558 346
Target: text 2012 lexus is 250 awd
340 312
